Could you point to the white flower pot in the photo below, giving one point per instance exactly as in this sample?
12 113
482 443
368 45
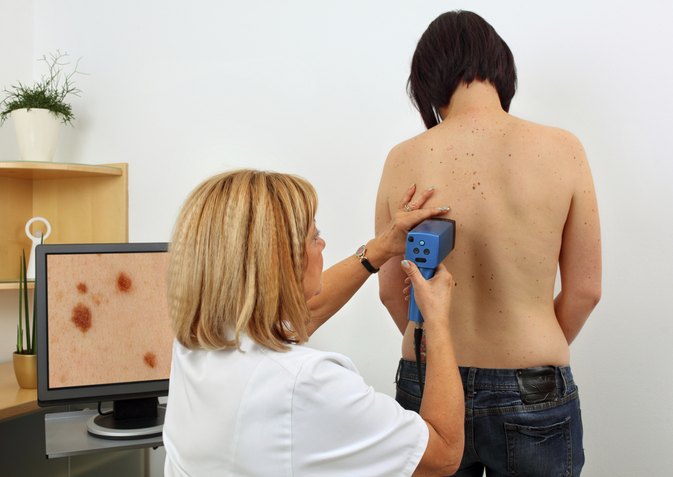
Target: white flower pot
36 133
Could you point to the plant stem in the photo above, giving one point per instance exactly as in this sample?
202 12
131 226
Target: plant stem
25 301
19 338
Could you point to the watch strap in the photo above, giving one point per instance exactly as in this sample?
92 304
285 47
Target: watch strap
360 254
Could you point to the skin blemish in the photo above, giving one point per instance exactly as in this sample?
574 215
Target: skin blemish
150 359
124 282
82 288
81 317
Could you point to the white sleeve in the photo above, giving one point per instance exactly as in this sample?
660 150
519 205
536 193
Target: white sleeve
341 426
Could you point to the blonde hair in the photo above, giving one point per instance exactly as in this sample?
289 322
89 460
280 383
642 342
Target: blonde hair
237 261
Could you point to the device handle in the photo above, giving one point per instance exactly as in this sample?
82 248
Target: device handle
414 312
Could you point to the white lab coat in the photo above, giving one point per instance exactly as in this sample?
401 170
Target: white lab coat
301 413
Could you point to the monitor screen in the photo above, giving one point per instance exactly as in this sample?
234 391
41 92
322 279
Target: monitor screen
103 328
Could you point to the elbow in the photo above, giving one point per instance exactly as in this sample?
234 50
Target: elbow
586 296
451 461
452 466
591 295
388 297
455 456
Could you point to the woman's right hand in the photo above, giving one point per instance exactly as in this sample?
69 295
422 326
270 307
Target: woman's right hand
432 296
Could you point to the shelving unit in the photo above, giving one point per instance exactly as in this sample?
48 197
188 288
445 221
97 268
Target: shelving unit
83 203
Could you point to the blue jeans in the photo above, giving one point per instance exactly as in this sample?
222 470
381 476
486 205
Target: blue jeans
511 428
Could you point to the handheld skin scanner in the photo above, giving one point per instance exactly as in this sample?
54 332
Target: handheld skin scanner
427 245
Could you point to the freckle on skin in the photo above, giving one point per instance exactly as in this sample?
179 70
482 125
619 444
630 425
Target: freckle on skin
81 317
150 359
124 282
82 288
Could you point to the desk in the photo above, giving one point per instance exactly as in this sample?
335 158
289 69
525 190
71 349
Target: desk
65 432
66 435
14 401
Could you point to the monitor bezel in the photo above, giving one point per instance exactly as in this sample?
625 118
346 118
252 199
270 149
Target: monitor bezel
93 393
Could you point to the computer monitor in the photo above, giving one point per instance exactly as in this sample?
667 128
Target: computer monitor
103 332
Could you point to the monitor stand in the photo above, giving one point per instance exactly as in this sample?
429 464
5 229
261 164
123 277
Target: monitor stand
130 419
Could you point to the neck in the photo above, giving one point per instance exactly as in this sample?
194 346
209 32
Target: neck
479 97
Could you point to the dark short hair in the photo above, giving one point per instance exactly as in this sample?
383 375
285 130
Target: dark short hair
458 47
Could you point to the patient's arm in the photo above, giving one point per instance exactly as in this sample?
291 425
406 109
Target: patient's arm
580 257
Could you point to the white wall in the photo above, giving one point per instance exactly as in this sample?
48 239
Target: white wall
182 90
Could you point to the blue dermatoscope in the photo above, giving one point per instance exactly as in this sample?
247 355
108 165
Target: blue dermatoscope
427 245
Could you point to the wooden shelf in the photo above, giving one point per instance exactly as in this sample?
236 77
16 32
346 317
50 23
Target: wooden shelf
12 285
83 203
54 170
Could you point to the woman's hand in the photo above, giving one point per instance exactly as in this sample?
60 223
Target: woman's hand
432 296
391 242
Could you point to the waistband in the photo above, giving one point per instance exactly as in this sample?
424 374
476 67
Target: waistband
475 379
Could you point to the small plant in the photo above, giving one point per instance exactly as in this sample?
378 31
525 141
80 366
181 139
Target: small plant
48 93
25 331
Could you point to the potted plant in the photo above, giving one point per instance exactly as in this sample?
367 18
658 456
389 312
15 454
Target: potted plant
25 356
38 110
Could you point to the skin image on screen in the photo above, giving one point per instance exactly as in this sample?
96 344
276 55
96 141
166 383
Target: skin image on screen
108 319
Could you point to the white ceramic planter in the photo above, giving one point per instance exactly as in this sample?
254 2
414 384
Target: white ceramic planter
36 133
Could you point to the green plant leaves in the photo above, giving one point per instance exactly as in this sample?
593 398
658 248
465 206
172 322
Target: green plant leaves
48 93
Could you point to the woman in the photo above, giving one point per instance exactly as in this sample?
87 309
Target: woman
525 206
247 289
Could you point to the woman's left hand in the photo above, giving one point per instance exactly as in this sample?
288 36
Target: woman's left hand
391 242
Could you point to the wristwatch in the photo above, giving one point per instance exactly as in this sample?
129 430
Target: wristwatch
360 254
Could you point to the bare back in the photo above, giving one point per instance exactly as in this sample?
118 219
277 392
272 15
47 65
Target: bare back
510 185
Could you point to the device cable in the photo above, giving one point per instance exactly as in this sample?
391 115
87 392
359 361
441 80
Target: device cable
418 339
100 411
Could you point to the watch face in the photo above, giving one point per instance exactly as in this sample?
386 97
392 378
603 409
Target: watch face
361 251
